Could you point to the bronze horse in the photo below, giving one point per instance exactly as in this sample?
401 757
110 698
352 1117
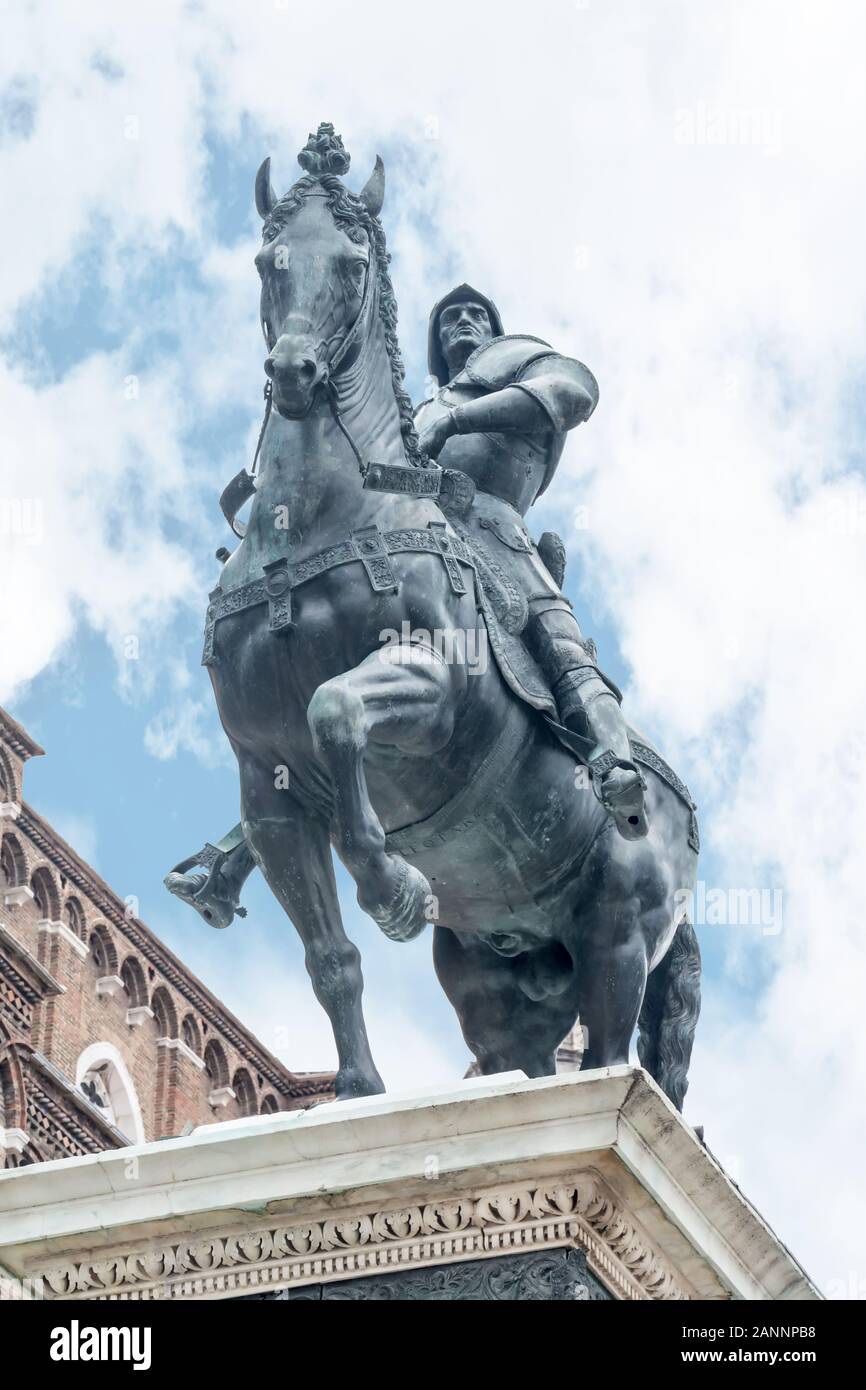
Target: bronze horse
448 799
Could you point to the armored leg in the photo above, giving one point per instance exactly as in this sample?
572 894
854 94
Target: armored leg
589 706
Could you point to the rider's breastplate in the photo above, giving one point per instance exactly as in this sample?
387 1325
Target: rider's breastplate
509 466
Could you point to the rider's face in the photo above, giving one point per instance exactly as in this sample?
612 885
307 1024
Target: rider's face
462 329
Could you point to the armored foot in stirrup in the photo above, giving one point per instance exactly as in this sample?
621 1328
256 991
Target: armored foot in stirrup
620 787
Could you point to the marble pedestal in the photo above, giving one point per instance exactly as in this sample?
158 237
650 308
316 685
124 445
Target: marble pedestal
585 1186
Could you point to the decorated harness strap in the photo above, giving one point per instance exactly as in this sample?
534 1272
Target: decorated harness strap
367 545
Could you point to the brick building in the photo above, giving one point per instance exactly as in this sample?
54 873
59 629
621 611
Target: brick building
106 1038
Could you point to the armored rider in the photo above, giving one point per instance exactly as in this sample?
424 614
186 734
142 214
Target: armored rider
501 415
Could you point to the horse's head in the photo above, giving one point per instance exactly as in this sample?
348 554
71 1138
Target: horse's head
315 264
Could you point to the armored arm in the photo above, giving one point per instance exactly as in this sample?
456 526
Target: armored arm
549 391
502 412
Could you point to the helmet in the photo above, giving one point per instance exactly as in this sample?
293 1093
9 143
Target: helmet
459 295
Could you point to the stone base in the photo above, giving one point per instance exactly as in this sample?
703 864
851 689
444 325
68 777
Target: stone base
586 1186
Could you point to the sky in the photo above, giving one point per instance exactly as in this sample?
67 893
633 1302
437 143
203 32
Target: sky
672 193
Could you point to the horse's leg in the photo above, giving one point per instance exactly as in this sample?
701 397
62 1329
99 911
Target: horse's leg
612 979
293 850
506 1028
403 696
623 912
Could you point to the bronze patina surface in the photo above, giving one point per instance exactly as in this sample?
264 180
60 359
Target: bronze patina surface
403 682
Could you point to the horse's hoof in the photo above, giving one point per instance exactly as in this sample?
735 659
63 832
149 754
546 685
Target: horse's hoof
406 917
351 1082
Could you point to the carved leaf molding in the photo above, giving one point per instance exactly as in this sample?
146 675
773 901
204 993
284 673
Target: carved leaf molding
583 1210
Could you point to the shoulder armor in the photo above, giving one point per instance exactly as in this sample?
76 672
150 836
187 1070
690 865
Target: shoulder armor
498 363
565 389
562 386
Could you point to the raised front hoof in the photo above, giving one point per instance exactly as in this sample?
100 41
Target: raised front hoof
351 1082
622 794
405 917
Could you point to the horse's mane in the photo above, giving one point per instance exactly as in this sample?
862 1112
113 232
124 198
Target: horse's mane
355 220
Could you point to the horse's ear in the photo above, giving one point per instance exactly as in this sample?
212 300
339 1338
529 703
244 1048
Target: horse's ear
266 198
372 195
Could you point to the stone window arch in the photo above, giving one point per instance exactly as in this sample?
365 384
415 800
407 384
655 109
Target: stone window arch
103 1077
215 1065
13 865
269 1106
164 1012
134 982
190 1034
12 1091
245 1091
102 951
73 916
45 894
8 789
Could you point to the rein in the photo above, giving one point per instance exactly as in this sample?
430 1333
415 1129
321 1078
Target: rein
242 487
422 482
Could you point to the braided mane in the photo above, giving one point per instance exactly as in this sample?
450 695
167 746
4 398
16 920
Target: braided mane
353 217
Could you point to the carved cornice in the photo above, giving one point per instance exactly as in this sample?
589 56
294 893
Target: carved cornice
16 737
581 1212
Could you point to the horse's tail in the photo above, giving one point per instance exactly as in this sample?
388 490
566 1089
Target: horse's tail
669 1015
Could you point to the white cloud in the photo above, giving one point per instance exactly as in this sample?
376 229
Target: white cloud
80 831
88 478
718 291
189 726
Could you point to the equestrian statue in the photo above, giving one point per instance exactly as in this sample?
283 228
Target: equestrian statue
404 682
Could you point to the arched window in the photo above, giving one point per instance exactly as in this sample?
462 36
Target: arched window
269 1106
134 982
14 1104
245 1091
7 779
13 869
164 1012
73 916
104 1079
45 895
102 951
215 1065
190 1034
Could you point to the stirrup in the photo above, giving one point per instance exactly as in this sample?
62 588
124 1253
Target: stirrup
206 892
627 809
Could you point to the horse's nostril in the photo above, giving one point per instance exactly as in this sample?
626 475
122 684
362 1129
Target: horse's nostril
292 370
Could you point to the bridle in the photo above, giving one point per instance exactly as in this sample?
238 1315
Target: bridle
242 487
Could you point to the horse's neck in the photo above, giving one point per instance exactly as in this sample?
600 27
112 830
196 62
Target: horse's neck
310 492
366 400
